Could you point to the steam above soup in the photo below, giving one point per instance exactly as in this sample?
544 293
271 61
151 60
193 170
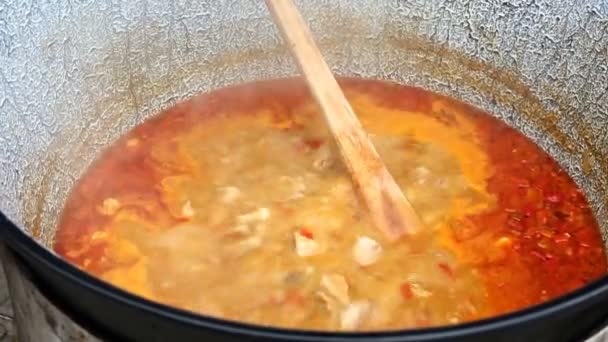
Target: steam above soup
235 204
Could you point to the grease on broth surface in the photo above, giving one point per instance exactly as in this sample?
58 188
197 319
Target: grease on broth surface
235 204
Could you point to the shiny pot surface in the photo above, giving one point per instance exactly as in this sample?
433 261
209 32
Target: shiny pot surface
76 75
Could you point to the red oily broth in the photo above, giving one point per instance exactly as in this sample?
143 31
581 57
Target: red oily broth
235 204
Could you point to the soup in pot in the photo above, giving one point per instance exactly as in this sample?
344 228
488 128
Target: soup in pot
235 204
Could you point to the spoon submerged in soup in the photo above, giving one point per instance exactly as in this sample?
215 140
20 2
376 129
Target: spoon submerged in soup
389 209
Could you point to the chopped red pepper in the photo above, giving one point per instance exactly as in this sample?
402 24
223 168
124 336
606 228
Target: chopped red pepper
312 143
446 269
307 233
406 291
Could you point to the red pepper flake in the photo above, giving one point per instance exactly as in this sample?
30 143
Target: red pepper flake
539 255
515 223
515 232
584 244
553 198
312 143
446 269
307 233
406 291
528 210
561 238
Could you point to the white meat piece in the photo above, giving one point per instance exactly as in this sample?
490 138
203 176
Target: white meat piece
229 194
421 173
187 210
354 315
366 251
110 206
323 158
306 247
419 291
261 214
336 287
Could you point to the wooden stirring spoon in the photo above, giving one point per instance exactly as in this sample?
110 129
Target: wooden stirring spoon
389 209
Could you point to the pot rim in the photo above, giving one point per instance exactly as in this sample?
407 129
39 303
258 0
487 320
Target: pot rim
18 240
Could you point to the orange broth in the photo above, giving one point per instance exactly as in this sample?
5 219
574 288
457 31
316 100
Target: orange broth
235 204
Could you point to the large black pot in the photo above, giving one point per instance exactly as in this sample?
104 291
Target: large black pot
115 315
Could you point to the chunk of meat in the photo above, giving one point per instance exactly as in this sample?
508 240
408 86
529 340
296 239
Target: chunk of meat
323 158
187 210
354 315
306 246
174 194
421 174
335 287
261 214
419 291
366 251
109 206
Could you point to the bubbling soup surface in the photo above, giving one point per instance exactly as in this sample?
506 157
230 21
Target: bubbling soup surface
235 204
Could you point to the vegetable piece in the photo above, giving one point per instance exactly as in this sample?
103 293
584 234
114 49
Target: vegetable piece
305 246
354 315
366 251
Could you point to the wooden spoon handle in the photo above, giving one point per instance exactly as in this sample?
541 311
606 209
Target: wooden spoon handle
389 209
